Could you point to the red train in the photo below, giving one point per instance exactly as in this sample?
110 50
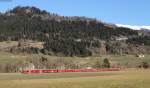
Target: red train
37 71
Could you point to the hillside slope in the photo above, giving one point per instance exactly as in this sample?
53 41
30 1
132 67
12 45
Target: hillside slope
69 36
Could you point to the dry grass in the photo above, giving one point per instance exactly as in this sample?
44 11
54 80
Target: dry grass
124 79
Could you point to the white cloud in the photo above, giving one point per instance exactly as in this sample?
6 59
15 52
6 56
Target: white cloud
135 27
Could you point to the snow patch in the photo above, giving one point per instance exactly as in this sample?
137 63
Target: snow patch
135 27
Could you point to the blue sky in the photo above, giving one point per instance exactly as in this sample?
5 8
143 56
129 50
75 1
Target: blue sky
131 12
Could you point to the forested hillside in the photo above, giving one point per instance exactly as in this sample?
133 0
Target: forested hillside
69 36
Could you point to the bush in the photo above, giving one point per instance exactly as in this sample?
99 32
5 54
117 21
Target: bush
145 65
106 63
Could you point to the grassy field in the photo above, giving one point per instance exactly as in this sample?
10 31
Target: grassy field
129 61
122 79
